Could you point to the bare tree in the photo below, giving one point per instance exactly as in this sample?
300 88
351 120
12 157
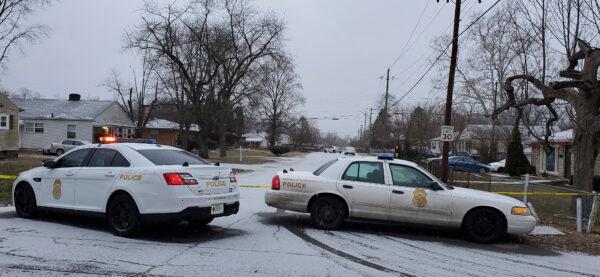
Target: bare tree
577 84
140 96
13 29
278 95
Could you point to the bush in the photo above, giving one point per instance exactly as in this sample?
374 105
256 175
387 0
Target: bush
516 161
279 150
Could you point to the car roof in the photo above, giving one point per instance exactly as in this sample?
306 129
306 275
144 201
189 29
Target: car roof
132 145
375 159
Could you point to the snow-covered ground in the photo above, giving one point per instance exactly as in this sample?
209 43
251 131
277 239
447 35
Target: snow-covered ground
258 242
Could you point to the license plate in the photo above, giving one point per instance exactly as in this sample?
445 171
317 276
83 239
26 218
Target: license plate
216 209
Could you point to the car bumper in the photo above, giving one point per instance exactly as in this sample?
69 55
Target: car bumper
190 213
521 224
286 201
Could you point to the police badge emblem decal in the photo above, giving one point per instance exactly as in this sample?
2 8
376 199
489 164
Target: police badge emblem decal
56 189
419 198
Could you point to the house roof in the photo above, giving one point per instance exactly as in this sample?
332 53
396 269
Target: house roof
6 101
167 124
61 109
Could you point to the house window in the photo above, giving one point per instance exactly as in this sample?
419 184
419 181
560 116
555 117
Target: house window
71 131
4 124
34 127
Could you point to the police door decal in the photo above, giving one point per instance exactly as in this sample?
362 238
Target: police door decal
56 190
419 198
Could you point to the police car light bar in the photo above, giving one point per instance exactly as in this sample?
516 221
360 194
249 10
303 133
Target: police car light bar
385 156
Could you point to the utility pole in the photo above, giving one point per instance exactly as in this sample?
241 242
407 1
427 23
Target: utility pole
370 129
448 111
387 91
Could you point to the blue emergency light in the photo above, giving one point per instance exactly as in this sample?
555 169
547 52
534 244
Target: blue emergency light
385 156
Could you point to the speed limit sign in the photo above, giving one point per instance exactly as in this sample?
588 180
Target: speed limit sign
447 133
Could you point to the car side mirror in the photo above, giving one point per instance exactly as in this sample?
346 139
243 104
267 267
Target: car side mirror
50 164
435 186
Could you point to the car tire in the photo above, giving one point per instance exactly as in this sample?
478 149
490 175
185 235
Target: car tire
327 213
484 226
59 152
123 216
25 203
482 170
200 223
501 170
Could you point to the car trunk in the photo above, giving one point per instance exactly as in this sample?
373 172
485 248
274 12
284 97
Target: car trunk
211 179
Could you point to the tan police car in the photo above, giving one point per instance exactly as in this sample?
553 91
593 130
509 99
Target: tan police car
387 189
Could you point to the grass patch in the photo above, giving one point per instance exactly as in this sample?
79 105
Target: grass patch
13 167
249 156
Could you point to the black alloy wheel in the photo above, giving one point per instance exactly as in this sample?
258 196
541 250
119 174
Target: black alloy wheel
328 213
123 216
484 226
25 202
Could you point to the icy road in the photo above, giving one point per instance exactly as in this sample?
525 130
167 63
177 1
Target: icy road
259 242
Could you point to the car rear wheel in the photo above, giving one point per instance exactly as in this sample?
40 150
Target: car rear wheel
501 169
327 213
482 170
484 226
123 216
59 152
25 202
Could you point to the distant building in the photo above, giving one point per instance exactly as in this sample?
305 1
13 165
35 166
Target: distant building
44 121
164 131
260 139
9 127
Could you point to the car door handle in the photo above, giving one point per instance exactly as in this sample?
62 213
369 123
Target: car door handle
347 187
110 174
397 191
69 173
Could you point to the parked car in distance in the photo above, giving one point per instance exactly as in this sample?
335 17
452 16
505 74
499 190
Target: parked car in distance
332 149
498 166
467 164
64 146
349 151
460 153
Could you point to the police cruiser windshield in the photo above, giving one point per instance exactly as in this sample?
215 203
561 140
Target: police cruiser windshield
171 157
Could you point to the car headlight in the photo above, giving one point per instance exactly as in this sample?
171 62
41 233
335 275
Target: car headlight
521 211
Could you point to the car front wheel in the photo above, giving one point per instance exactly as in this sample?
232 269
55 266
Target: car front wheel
123 216
25 202
327 213
482 170
483 226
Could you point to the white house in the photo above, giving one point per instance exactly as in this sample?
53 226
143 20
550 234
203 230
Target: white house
44 121
260 139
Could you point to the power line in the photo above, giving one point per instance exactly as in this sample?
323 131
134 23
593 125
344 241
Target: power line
404 49
442 53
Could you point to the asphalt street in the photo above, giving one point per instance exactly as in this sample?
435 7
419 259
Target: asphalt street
260 242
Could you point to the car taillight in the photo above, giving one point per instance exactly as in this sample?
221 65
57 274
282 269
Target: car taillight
179 179
232 178
275 184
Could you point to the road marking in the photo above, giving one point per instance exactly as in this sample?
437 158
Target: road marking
8 177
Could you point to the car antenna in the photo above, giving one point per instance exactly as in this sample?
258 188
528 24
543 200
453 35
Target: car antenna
186 164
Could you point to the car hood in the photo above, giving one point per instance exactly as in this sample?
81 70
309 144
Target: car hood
34 172
485 196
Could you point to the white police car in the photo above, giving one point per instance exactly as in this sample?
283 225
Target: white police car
395 190
129 184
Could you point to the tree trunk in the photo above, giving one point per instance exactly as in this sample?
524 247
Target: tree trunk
222 132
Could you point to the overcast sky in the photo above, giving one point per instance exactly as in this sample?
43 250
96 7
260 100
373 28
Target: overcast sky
341 48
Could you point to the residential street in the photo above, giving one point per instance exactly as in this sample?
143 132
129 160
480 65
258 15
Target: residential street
259 242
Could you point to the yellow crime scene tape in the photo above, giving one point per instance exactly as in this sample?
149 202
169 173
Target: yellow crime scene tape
255 186
542 193
8 177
